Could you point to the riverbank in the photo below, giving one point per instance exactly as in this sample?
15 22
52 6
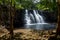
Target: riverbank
30 34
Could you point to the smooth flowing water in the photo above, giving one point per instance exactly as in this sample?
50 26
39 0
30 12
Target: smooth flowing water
35 17
35 21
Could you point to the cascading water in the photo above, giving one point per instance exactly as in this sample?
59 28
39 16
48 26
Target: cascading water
39 18
35 17
35 21
27 18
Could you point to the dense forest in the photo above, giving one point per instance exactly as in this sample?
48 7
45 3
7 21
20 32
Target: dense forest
14 7
45 5
31 4
10 8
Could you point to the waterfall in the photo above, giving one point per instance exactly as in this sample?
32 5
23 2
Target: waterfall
39 18
32 19
35 17
27 18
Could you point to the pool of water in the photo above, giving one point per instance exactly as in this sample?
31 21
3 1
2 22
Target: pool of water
41 26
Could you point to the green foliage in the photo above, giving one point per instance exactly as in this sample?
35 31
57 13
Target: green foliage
19 6
29 4
47 5
41 7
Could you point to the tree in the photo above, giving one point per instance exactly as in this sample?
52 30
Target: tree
58 25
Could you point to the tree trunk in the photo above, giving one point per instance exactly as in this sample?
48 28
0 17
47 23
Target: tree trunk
11 20
0 16
11 25
58 28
